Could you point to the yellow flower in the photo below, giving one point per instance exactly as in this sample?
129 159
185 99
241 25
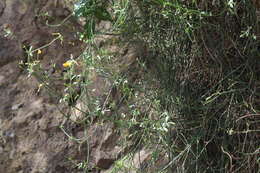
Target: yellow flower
67 64
39 52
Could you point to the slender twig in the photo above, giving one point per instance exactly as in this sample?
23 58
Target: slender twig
229 156
57 25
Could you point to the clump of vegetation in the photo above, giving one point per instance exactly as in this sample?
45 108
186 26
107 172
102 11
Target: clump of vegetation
207 60
204 57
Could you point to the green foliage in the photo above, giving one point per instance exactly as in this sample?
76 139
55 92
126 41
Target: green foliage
91 11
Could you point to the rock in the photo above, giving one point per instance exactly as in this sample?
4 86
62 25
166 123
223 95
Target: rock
78 112
17 106
36 144
9 134
29 120
140 158
138 163
103 145
104 160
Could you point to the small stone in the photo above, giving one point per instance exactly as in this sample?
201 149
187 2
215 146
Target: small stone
9 134
104 163
17 106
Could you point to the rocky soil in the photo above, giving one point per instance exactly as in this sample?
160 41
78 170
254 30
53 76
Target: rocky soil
31 140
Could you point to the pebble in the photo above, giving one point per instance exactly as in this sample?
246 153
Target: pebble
17 106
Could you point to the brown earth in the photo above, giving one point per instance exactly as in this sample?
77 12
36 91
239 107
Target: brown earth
31 140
